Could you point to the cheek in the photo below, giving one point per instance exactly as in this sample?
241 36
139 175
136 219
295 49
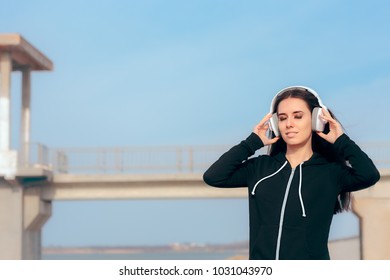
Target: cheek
307 127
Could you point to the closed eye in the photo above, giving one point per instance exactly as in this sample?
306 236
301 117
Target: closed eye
282 118
296 115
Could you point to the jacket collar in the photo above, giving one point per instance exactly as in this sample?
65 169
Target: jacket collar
316 159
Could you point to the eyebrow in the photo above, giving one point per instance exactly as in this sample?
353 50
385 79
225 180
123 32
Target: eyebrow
295 112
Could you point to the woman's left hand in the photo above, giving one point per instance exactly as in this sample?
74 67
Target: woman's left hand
335 129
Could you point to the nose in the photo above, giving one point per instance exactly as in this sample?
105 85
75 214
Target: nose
289 122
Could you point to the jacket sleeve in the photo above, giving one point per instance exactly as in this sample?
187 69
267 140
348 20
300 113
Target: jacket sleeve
231 169
361 172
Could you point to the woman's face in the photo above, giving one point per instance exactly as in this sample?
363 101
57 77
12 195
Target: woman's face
294 121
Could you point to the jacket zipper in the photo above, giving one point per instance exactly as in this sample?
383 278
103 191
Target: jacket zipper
282 214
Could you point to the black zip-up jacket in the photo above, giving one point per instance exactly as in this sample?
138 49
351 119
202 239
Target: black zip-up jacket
291 210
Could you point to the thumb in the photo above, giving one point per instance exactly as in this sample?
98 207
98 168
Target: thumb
274 140
321 134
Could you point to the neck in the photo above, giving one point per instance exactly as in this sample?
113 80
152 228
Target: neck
297 154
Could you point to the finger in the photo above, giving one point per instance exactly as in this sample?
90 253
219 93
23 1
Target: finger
274 140
260 126
265 119
322 135
329 119
327 116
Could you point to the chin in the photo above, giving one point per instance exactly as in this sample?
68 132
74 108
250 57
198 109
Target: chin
296 141
293 142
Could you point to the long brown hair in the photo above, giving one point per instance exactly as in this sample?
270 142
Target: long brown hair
319 145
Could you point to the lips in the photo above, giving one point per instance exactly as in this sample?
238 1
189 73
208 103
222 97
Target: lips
291 134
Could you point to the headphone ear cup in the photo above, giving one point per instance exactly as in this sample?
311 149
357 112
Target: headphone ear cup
273 122
317 123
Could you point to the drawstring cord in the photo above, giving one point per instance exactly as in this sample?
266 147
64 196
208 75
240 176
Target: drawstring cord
269 176
299 188
300 192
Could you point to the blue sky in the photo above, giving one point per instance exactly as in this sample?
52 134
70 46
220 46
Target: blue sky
129 73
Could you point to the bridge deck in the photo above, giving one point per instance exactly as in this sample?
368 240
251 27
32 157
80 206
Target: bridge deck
132 186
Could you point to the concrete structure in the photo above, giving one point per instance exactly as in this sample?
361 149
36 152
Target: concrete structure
22 211
372 206
27 189
125 186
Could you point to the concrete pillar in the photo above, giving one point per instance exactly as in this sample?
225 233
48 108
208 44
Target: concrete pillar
25 118
374 217
22 215
35 214
22 210
5 101
11 221
7 156
372 206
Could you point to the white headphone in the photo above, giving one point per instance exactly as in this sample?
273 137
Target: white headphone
317 123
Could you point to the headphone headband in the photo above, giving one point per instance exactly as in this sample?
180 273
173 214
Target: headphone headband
312 91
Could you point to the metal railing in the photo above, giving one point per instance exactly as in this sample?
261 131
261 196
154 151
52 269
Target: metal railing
116 160
34 155
135 160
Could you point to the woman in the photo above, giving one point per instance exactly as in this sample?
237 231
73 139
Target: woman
305 178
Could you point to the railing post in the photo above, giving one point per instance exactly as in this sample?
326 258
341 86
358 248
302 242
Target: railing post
61 161
23 155
191 160
179 159
119 160
102 161
40 153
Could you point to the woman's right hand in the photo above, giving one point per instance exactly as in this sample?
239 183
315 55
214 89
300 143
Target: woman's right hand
261 131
